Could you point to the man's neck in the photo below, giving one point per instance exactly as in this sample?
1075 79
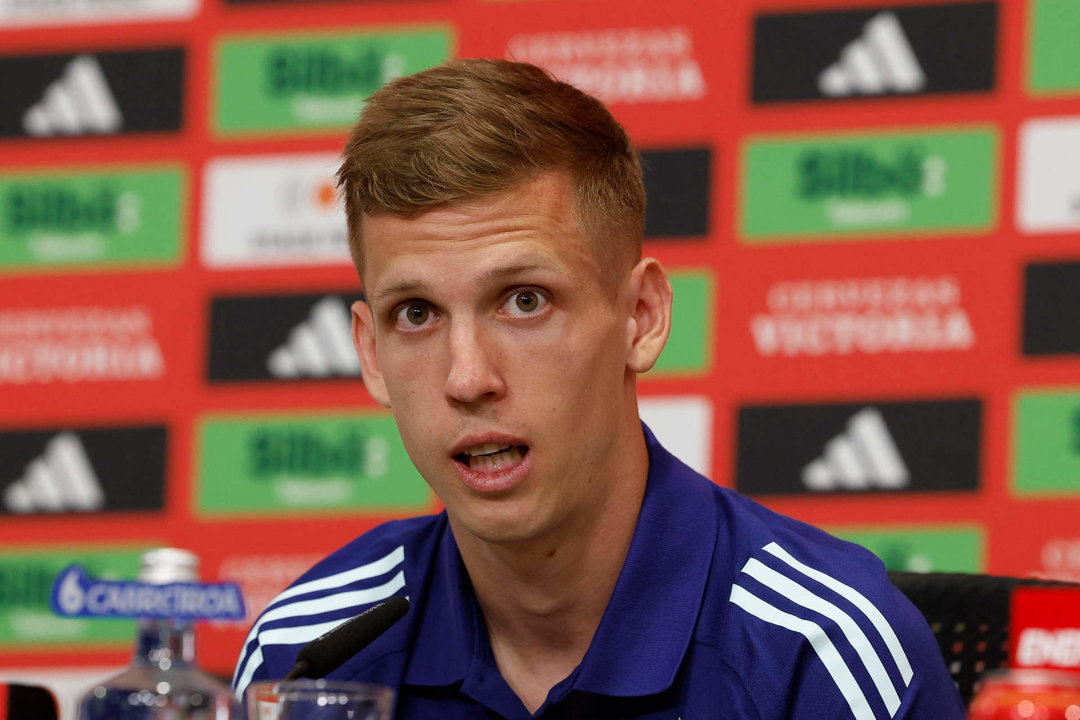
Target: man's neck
543 600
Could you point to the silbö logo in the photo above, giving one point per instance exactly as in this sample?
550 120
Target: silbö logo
853 185
52 208
324 84
309 468
859 187
318 80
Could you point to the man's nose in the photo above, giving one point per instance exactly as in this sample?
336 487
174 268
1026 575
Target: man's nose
474 369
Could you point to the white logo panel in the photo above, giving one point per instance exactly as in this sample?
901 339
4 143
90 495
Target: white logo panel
1048 191
273 211
684 426
27 13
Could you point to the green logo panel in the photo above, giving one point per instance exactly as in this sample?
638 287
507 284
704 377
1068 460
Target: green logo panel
688 349
26 580
1046 458
91 218
871 184
268 84
317 463
922 549
1053 48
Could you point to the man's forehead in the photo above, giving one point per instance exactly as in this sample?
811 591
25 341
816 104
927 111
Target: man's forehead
529 227
547 193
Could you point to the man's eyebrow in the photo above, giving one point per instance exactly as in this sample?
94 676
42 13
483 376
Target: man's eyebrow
401 287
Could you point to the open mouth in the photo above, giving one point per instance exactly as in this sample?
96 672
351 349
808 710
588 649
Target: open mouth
491 457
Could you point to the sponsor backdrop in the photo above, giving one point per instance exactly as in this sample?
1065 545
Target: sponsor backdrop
870 211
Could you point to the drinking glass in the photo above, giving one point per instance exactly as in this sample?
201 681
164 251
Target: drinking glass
318 700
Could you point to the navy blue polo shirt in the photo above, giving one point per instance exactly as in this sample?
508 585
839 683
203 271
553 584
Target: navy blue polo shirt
723 609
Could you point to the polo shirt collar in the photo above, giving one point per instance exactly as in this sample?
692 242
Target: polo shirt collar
447 639
648 624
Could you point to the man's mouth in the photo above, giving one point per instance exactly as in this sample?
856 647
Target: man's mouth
492 457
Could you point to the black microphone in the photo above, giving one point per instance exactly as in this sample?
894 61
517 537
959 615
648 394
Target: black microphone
329 651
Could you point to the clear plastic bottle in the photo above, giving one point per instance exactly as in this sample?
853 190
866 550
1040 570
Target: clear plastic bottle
163 681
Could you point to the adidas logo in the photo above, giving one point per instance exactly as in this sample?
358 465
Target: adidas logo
880 61
862 458
61 480
321 346
80 102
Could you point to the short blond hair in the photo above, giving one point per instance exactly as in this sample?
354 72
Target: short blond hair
473 128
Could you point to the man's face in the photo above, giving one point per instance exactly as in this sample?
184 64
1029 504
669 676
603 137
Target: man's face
495 336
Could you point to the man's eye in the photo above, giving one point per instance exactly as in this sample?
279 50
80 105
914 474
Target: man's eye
525 302
414 314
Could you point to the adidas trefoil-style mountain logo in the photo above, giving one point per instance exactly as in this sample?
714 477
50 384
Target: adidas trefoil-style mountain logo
61 480
321 346
864 457
79 103
880 61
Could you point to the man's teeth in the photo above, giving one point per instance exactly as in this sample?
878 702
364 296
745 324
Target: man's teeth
499 457
486 449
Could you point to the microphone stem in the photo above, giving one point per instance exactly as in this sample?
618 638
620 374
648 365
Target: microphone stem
298 670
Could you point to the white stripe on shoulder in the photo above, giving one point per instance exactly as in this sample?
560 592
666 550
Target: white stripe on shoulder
858 600
306 633
328 602
286 636
372 569
279 609
824 648
855 636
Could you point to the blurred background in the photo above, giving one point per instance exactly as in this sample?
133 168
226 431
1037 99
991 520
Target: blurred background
869 210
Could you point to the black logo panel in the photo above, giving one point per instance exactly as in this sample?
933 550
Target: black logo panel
282 337
1052 309
92 93
925 446
82 470
875 52
678 185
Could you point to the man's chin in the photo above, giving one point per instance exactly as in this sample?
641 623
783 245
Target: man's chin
505 529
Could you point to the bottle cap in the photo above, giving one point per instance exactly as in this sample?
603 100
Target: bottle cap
169 565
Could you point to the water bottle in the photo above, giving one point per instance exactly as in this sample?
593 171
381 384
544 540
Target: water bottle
163 681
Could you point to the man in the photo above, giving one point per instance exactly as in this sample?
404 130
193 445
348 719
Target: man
579 570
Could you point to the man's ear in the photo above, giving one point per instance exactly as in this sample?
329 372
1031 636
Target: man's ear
650 321
363 334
